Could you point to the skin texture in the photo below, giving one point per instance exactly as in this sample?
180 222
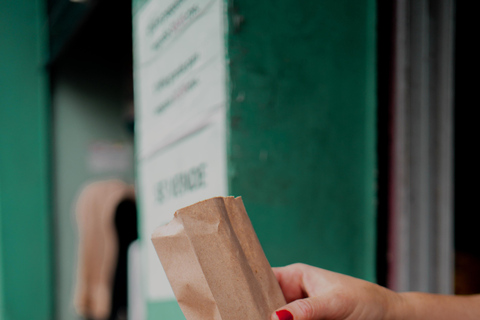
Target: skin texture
318 294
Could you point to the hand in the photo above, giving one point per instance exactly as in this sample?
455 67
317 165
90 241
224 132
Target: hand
318 294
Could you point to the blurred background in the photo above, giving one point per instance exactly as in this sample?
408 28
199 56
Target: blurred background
342 124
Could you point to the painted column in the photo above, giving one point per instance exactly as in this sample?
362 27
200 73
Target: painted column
26 287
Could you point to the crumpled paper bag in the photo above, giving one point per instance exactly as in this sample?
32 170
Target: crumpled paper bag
215 264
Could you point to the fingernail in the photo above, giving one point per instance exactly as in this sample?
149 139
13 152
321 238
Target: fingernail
284 315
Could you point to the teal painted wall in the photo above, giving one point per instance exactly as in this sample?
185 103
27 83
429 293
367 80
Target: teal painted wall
2 308
302 118
26 289
88 107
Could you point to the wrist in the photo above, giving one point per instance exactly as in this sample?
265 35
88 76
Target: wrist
396 306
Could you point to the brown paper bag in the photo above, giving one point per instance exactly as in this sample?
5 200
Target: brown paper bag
215 264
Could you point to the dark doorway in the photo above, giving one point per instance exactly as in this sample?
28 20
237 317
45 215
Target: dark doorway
385 22
467 248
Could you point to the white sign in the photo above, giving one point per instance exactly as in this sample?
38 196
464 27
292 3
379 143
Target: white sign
186 172
179 67
180 116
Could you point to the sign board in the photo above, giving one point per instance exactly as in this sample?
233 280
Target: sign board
180 116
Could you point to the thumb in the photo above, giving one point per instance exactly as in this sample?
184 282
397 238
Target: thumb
302 309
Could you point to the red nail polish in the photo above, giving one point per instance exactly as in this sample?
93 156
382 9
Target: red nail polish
284 315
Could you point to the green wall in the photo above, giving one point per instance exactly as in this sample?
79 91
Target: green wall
26 290
2 308
302 121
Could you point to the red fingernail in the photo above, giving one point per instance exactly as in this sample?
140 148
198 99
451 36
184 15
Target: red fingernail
284 315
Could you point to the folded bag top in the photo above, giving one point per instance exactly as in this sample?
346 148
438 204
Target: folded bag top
215 263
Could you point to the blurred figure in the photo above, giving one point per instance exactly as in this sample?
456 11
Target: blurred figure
104 211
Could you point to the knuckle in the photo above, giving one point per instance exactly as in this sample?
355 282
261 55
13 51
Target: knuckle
299 266
306 308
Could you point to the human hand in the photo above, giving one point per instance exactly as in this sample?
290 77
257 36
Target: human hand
318 294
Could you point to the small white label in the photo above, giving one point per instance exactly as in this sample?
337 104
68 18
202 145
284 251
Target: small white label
106 156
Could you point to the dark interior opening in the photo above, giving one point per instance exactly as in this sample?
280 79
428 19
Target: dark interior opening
94 39
102 36
385 37
126 227
467 248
